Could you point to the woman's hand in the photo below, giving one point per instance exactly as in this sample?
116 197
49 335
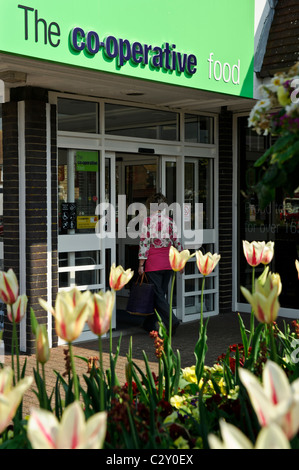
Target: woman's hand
140 270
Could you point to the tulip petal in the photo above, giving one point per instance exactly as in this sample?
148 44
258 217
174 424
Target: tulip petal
11 400
71 434
96 430
258 398
42 429
233 437
272 437
275 382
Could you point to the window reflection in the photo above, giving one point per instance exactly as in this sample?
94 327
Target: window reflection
199 188
199 129
131 121
278 222
77 116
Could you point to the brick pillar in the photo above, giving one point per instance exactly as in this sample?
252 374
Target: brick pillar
29 162
225 210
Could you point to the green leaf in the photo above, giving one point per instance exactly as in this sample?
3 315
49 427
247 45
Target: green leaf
243 335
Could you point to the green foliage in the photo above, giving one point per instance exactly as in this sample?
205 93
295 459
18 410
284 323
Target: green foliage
280 169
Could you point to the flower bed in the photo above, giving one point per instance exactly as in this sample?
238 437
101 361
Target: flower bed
248 399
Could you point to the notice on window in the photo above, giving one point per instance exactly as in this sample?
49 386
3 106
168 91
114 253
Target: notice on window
86 161
88 221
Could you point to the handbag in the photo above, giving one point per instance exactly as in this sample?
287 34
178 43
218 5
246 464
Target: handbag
141 299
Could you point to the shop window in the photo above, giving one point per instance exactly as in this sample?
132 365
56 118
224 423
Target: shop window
199 129
130 121
199 188
78 116
80 268
78 190
278 222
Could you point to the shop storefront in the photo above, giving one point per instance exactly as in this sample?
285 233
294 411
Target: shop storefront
108 107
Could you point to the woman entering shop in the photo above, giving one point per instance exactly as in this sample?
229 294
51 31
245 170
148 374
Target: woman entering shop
158 234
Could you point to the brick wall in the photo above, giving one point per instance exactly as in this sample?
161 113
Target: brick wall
10 198
36 201
225 210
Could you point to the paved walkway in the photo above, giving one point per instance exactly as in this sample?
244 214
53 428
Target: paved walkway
223 330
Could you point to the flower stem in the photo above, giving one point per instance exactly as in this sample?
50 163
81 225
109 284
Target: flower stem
272 343
44 388
102 404
75 378
170 309
110 338
15 341
201 304
252 312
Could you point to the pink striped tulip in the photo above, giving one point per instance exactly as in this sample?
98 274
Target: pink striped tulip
264 300
297 266
70 313
206 263
271 437
100 315
9 287
178 259
276 401
72 432
253 252
268 253
119 277
17 311
10 397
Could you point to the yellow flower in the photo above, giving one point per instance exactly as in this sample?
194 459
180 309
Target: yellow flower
283 96
181 443
100 314
264 300
206 263
119 277
189 374
71 312
177 402
42 344
178 259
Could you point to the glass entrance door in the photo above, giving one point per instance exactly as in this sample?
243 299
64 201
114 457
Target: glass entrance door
81 261
136 181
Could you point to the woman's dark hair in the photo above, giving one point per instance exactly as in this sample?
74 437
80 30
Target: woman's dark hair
157 199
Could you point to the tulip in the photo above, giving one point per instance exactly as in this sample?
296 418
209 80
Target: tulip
271 437
100 315
297 266
70 312
276 401
42 344
73 432
10 397
206 263
119 277
16 311
264 301
178 259
253 252
268 253
9 287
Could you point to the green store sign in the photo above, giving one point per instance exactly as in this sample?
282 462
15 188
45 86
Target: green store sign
199 44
